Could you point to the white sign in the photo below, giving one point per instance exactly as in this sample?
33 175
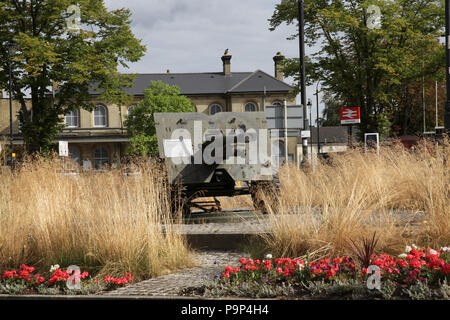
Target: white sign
306 134
63 148
372 140
176 148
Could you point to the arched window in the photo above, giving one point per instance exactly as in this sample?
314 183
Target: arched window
74 154
72 119
101 157
215 108
250 107
100 116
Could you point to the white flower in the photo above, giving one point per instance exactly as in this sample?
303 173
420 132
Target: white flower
446 249
268 256
54 267
433 251
408 249
414 246
402 256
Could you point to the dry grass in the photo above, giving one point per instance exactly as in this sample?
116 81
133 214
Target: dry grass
102 222
361 193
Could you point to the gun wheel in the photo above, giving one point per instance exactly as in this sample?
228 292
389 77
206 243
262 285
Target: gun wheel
265 196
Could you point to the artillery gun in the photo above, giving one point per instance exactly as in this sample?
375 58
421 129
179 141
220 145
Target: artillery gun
225 154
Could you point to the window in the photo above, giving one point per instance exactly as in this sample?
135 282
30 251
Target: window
130 108
250 107
100 116
74 154
101 157
215 108
277 104
72 119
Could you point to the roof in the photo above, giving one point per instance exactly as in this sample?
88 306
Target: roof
209 83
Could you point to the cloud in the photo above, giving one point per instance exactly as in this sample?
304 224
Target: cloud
192 35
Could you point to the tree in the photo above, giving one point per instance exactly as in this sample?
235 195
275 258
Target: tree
366 64
331 112
51 51
158 97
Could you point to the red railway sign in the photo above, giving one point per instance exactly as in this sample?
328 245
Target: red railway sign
350 115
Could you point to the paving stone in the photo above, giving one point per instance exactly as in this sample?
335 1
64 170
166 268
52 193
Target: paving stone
211 263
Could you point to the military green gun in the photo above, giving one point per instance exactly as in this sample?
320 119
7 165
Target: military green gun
225 154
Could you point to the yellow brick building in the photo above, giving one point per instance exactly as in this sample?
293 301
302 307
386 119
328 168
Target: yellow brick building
100 138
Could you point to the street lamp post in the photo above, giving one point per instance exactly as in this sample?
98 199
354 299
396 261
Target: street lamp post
310 124
318 125
11 46
301 26
447 69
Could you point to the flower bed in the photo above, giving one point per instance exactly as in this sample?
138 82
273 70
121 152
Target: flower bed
414 274
57 281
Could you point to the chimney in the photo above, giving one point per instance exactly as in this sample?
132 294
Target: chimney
226 58
278 59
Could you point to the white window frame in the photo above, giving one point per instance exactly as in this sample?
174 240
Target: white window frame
104 160
250 104
74 114
99 106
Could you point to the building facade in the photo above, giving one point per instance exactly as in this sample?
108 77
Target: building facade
100 138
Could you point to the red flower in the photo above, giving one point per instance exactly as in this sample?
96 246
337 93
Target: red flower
39 279
279 270
10 274
229 269
243 261
27 268
330 273
401 263
226 274
445 268
23 274
414 263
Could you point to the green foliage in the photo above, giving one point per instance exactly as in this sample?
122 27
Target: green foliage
248 289
419 291
371 68
158 97
75 60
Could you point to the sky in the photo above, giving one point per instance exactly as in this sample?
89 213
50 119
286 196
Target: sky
192 35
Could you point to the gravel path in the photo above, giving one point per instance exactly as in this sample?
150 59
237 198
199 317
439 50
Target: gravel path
211 263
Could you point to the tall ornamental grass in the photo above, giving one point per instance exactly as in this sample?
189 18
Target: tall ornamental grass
401 195
102 222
